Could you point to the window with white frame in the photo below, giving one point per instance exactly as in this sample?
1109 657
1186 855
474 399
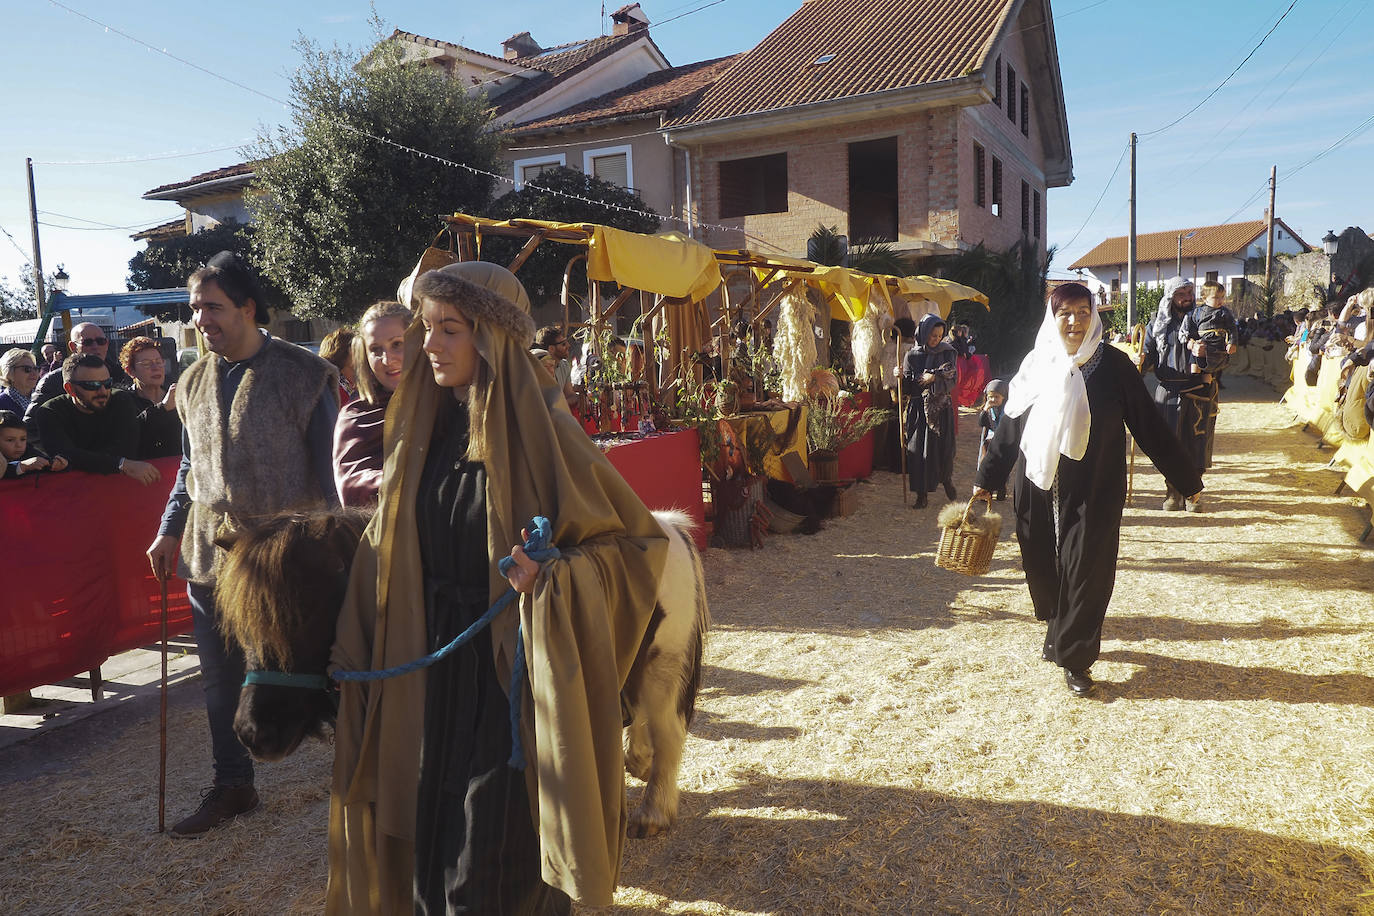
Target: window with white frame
614 164
526 170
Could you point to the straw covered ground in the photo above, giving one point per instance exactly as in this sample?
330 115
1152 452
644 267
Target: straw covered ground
876 735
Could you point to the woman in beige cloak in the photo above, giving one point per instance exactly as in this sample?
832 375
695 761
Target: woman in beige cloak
478 441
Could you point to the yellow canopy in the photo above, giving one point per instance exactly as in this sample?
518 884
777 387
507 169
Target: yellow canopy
668 264
849 291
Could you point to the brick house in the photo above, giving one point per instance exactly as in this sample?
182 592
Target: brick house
934 126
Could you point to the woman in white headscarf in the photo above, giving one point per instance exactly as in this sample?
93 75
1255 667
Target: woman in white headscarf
1063 432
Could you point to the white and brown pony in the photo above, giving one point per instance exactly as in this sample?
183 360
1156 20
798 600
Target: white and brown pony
280 591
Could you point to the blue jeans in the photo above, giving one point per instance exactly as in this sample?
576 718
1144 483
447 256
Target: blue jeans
221 671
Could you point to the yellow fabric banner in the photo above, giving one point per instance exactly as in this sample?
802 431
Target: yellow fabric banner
669 265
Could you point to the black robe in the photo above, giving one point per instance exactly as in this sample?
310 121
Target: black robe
476 847
1071 577
1187 403
929 439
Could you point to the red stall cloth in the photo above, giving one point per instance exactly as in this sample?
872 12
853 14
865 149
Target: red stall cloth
856 460
665 471
974 372
77 588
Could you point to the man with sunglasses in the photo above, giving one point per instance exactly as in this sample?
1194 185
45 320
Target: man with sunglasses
87 340
95 427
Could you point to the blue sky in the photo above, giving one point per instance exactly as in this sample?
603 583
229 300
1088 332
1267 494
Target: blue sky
75 92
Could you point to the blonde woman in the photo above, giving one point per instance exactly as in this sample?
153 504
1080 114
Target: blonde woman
379 356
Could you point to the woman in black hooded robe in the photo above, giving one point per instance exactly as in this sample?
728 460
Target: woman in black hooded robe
929 377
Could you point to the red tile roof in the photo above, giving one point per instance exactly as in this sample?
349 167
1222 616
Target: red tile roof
1207 242
449 46
876 45
229 171
561 63
170 229
661 91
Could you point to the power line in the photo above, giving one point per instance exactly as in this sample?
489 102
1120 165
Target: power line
1179 119
1119 160
96 226
401 146
23 254
164 52
1320 55
156 157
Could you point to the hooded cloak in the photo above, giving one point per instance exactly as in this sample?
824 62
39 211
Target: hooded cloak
581 626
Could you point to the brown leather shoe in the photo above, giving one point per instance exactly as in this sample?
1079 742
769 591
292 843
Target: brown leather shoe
219 804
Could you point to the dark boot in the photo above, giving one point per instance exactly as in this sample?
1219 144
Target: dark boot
219 804
922 500
1079 682
950 492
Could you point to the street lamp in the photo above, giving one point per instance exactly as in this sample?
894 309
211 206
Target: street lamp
1329 245
1181 237
60 280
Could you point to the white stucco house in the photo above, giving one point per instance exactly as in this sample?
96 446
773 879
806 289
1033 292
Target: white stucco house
1208 254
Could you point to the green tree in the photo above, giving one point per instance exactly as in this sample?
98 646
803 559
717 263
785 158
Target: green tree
169 264
554 196
342 215
17 299
1014 281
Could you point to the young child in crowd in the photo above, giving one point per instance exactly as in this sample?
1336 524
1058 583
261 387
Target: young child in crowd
1213 324
994 399
19 457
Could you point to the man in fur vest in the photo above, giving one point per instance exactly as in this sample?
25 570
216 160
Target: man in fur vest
257 436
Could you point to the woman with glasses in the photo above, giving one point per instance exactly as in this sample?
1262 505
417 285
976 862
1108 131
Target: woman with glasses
159 426
18 374
378 355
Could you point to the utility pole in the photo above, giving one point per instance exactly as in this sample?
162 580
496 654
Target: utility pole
1269 244
1130 248
38 290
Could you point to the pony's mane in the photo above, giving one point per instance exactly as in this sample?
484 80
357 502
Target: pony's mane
259 595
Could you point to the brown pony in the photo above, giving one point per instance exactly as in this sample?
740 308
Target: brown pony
283 583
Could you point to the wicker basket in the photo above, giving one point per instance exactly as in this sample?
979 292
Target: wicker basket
968 542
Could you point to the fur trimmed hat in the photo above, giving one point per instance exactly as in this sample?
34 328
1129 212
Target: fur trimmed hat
478 300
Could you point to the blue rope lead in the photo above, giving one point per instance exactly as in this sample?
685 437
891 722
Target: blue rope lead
538 549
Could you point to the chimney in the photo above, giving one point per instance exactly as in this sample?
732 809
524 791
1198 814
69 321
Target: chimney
521 45
629 19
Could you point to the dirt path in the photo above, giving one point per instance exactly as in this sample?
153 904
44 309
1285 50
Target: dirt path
879 736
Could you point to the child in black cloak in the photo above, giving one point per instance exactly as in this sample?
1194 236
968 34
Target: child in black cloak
994 397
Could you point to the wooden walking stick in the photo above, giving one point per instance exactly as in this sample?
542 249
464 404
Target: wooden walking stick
1130 477
901 430
162 719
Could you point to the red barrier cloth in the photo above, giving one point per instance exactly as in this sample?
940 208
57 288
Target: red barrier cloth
77 588
665 471
974 373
